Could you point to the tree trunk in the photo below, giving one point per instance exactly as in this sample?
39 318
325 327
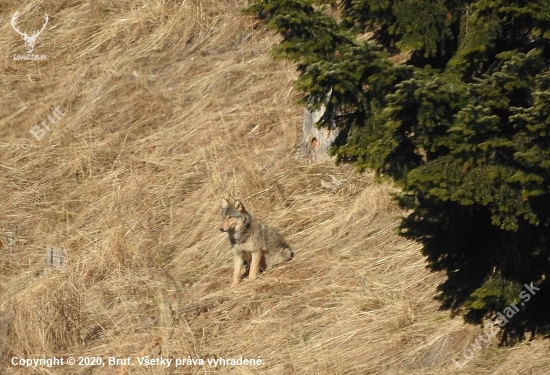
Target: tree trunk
316 141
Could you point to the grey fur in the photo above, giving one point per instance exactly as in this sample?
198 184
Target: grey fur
253 242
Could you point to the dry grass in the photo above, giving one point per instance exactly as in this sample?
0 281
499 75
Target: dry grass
168 107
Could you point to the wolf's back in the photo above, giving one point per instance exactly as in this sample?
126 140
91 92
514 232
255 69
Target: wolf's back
277 249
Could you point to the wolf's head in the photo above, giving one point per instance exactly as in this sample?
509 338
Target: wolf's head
235 218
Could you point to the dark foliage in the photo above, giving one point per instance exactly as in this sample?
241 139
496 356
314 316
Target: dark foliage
451 100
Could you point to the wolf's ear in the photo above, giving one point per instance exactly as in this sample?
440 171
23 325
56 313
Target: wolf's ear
239 206
225 203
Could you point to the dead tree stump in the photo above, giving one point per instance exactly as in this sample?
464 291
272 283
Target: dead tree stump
316 141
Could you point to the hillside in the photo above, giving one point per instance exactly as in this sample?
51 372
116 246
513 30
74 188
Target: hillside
164 108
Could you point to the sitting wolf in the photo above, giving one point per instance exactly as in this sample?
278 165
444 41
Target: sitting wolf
252 241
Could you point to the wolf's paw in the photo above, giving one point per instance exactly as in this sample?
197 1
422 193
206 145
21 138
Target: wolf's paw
289 254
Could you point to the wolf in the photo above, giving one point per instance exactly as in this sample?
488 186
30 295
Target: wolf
253 242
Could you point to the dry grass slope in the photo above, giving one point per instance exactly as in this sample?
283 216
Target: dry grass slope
170 105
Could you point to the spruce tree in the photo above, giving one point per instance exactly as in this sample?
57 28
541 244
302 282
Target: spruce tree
451 100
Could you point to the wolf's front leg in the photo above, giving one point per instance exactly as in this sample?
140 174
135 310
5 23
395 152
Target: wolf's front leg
255 264
238 259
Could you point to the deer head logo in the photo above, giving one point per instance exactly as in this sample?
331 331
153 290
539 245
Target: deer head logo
29 40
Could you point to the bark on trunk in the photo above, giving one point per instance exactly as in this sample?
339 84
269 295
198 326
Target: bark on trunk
316 141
